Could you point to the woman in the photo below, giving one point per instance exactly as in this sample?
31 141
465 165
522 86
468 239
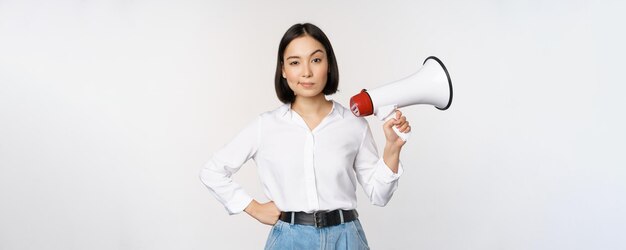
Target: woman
310 153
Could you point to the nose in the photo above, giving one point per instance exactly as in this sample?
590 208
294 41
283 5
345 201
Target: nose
306 70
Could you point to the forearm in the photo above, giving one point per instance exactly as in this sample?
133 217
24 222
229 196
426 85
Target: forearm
221 185
391 157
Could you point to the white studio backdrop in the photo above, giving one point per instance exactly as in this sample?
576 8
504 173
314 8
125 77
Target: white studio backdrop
108 110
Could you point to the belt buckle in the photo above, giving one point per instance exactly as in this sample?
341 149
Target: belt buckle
320 221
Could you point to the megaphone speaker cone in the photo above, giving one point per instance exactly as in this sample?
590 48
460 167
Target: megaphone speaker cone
445 70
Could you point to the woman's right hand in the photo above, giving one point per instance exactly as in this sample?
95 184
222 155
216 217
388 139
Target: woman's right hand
266 213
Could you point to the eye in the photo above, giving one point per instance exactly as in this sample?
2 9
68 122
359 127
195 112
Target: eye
294 63
317 60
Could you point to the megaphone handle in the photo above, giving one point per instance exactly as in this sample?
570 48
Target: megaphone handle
403 136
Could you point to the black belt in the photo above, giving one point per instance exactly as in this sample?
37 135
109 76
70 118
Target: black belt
320 218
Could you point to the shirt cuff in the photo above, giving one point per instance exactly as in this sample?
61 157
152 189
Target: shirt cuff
384 173
237 205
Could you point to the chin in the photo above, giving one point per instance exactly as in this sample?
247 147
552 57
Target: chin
309 93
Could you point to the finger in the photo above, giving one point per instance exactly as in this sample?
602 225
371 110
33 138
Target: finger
408 127
390 123
398 114
401 120
403 128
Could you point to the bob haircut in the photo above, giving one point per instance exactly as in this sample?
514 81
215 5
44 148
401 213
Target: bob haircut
284 93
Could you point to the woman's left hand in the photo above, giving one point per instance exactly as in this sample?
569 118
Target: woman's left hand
402 124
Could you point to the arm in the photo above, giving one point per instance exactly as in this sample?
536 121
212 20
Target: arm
391 154
379 176
217 173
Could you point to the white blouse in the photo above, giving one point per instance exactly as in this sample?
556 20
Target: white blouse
302 169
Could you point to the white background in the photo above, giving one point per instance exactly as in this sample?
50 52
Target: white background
108 110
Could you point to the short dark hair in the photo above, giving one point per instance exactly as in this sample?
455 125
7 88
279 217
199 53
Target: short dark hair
284 93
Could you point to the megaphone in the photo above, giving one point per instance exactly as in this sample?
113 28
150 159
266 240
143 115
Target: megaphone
431 85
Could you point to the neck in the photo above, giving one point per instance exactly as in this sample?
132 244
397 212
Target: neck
311 105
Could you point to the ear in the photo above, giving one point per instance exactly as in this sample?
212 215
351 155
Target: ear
282 68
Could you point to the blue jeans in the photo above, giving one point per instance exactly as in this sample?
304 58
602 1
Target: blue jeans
348 235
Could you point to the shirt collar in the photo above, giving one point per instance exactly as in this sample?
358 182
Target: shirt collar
335 110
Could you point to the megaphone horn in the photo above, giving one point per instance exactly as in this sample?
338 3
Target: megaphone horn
431 84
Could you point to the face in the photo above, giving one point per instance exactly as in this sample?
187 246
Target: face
305 66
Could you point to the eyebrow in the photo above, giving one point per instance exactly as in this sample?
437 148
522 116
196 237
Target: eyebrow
296 57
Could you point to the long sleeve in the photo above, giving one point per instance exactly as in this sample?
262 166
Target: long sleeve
377 180
217 172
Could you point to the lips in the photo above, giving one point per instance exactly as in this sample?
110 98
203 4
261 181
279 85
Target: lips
307 84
